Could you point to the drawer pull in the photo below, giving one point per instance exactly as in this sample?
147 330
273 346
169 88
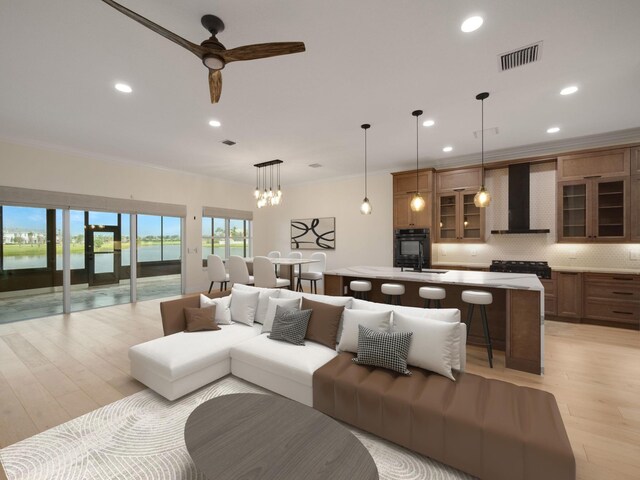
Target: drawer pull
623 313
626 279
593 176
622 293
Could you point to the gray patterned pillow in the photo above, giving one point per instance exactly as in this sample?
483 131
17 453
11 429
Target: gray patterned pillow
381 349
290 325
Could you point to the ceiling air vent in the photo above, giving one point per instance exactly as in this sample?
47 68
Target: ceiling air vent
229 142
315 165
519 57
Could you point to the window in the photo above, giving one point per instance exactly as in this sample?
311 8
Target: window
158 238
24 237
225 237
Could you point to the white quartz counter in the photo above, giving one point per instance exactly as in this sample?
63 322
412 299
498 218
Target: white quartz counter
517 281
556 268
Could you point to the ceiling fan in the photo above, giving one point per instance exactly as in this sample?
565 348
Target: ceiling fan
213 54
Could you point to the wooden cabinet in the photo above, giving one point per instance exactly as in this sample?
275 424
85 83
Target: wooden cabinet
612 298
634 210
602 163
593 210
569 292
457 218
550 294
404 186
635 161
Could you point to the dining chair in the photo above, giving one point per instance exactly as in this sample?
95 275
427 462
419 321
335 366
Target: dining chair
314 272
296 275
216 272
264 276
238 271
274 254
294 255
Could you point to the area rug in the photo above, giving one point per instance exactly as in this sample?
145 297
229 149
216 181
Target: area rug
142 437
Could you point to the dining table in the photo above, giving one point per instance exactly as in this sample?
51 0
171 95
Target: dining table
287 267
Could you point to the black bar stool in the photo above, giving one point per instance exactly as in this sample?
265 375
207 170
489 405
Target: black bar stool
478 297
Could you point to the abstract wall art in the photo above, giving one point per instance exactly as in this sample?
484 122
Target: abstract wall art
313 234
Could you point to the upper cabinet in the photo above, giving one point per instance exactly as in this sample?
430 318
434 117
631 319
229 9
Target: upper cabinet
635 210
593 197
458 220
404 186
635 160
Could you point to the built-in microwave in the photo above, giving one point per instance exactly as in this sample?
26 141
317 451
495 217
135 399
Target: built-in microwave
412 248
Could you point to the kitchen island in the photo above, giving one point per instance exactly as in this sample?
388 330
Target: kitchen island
516 316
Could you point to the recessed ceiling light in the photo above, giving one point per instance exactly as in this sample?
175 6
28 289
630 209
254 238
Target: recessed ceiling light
447 149
214 123
569 90
471 24
428 123
123 87
553 130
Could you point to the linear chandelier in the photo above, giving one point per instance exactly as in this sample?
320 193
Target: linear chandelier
263 196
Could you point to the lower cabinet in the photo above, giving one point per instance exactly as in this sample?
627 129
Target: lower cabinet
550 295
569 288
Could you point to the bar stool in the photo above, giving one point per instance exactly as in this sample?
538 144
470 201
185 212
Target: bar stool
432 293
393 291
478 297
360 288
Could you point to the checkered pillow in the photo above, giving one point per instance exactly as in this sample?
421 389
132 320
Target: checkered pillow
290 325
381 349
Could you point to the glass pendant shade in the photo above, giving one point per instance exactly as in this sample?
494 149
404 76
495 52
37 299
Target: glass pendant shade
482 198
417 202
365 208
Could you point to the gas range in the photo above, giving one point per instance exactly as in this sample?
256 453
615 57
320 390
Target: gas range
541 269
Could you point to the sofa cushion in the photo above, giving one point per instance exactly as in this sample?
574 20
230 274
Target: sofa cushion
263 298
379 321
287 303
244 305
324 322
330 299
223 310
290 325
180 354
381 349
433 345
279 358
200 319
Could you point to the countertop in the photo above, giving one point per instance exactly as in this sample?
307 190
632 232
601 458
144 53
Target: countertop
556 268
516 281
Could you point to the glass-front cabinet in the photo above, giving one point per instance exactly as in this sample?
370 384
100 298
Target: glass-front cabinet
593 210
458 219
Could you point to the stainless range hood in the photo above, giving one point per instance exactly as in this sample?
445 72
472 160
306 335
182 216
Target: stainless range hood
519 201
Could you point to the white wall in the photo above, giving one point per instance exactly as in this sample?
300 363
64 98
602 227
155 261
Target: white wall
360 239
45 169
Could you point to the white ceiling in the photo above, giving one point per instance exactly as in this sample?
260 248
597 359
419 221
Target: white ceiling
368 61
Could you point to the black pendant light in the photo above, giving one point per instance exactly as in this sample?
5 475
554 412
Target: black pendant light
365 208
417 202
483 197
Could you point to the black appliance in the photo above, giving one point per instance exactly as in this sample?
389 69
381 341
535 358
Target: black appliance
541 269
412 248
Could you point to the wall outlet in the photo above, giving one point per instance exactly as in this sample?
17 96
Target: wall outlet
573 254
474 252
634 255
443 252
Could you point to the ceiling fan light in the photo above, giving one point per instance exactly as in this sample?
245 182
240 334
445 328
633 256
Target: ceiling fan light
213 62
417 202
482 198
365 208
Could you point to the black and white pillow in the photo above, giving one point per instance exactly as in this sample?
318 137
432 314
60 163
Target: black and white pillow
290 325
381 349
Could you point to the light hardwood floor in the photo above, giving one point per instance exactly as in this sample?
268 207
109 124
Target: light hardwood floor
57 368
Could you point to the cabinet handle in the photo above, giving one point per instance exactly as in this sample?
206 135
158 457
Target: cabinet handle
593 176
622 278
459 189
622 293
623 313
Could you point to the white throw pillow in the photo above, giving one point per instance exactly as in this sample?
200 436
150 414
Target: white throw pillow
379 321
330 299
357 304
263 299
223 310
286 293
244 305
271 310
433 344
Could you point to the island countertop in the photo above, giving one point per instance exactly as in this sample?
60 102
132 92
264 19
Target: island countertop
517 281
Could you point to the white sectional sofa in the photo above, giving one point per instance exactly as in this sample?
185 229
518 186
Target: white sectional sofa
181 362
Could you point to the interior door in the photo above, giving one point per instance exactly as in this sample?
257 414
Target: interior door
102 252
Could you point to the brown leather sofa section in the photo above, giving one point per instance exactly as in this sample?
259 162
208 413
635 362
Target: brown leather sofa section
491 429
172 312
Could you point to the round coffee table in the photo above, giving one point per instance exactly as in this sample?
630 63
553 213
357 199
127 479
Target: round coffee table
255 436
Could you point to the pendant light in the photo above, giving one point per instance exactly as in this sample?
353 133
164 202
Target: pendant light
417 202
483 197
365 208
263 196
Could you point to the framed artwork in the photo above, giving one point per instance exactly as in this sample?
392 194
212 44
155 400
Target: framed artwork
313 234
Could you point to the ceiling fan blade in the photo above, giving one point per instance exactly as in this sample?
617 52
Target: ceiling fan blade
261 50
215 85
192 47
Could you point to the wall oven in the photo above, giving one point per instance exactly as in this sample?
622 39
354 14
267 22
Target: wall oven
412 248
